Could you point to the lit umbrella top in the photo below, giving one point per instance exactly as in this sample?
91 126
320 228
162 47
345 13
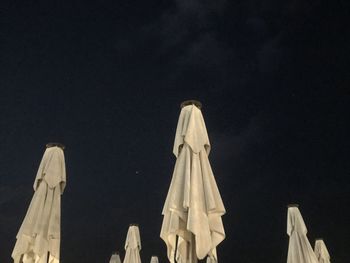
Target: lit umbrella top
321 251
193 207
154 259
39 234
132 245
299 250
115 258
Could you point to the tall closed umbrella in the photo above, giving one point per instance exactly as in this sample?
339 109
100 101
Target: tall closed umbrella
154 259
38 239
193 207
132 245
115 258
299 250
321 251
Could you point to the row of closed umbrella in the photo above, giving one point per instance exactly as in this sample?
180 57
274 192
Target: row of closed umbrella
192 227
300 250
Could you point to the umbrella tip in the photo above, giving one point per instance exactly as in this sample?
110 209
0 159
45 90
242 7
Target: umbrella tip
292 205
318 239
134 225
57 144
197 103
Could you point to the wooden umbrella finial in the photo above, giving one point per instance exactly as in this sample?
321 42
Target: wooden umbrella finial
197 103
55 144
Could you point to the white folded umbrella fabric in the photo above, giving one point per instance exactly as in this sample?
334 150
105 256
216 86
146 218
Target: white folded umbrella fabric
299 250
193 208
321 252
115 258
154 259
132 245
38 239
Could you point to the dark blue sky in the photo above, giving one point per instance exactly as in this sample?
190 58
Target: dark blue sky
106 78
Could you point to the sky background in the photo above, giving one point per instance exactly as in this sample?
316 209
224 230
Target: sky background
106 78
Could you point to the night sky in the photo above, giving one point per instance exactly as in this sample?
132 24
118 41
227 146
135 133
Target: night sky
106 78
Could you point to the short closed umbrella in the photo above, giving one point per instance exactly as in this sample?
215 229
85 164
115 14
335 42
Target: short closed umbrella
38 239
321 251
154 259
115 258
132 245
299 250
193 207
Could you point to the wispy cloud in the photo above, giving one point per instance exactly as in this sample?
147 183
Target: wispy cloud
230 146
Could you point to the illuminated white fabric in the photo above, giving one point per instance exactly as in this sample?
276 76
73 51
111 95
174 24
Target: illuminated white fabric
193 207
321 252
132 246
115 258
299 250
40 231
154 259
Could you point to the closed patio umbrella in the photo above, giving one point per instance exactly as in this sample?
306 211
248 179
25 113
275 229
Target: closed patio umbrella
193 207
38 239
154 259
321 251
299 250
115 258
132 245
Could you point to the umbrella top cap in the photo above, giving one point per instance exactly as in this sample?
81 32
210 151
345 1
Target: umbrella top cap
134 225
197 103
55 144
292 205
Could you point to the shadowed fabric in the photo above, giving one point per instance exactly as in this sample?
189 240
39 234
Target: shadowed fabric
321 252
38 239
132 246
299 250
115 258
193 207
154 259
211 260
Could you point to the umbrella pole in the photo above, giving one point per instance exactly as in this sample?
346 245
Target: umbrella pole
176 241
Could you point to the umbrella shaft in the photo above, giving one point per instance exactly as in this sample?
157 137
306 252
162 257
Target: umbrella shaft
176 241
